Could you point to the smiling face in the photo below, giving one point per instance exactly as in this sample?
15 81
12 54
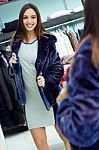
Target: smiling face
30 20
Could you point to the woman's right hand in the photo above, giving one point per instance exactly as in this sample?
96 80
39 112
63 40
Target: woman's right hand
13 59
63 94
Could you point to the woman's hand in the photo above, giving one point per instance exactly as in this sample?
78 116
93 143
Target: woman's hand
41 81
13 59
63 95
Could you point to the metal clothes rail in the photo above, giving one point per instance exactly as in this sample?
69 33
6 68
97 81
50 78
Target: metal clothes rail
64 24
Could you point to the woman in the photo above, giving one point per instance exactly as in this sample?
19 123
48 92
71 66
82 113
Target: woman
37 71
78 114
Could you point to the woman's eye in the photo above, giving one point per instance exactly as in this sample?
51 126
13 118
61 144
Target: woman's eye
25 17
33 17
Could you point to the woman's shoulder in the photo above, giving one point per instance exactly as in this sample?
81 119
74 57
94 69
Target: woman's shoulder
49 37
86 46
84 50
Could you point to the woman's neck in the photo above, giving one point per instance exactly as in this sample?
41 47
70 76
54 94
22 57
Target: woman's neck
30 37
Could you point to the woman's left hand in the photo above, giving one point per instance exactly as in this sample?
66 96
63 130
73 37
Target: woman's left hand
41 81
62 96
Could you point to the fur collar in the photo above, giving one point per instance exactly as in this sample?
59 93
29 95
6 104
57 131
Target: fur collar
45 40
49 38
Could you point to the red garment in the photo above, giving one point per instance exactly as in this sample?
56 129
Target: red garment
3 1
63 80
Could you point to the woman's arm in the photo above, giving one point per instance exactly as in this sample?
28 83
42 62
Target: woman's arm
63 94
77 115
55 69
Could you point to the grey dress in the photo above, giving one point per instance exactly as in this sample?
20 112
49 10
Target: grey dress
36 113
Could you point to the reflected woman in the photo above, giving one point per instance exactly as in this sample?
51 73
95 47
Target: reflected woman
38 71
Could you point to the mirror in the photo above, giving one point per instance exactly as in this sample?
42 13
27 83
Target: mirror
18 136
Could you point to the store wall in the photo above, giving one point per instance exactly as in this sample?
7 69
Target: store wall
71 4
10 11
48 7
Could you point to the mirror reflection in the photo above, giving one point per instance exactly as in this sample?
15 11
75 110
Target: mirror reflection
30 34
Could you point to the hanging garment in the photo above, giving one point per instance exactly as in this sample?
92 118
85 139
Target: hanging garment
11 112
3 1
73 39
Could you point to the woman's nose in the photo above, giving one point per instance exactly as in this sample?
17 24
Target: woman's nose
29 20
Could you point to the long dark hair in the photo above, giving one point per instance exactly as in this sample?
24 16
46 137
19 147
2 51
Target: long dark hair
20 32
91 27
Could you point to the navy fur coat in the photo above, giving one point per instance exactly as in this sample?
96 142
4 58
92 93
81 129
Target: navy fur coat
78 115
48 64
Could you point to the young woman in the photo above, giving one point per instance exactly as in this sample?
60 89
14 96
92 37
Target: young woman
78 114
37 72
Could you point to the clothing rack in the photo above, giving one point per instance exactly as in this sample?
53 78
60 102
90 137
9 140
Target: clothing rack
7 41
66 23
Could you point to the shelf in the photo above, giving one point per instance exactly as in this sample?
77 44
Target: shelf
63 19
5 36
